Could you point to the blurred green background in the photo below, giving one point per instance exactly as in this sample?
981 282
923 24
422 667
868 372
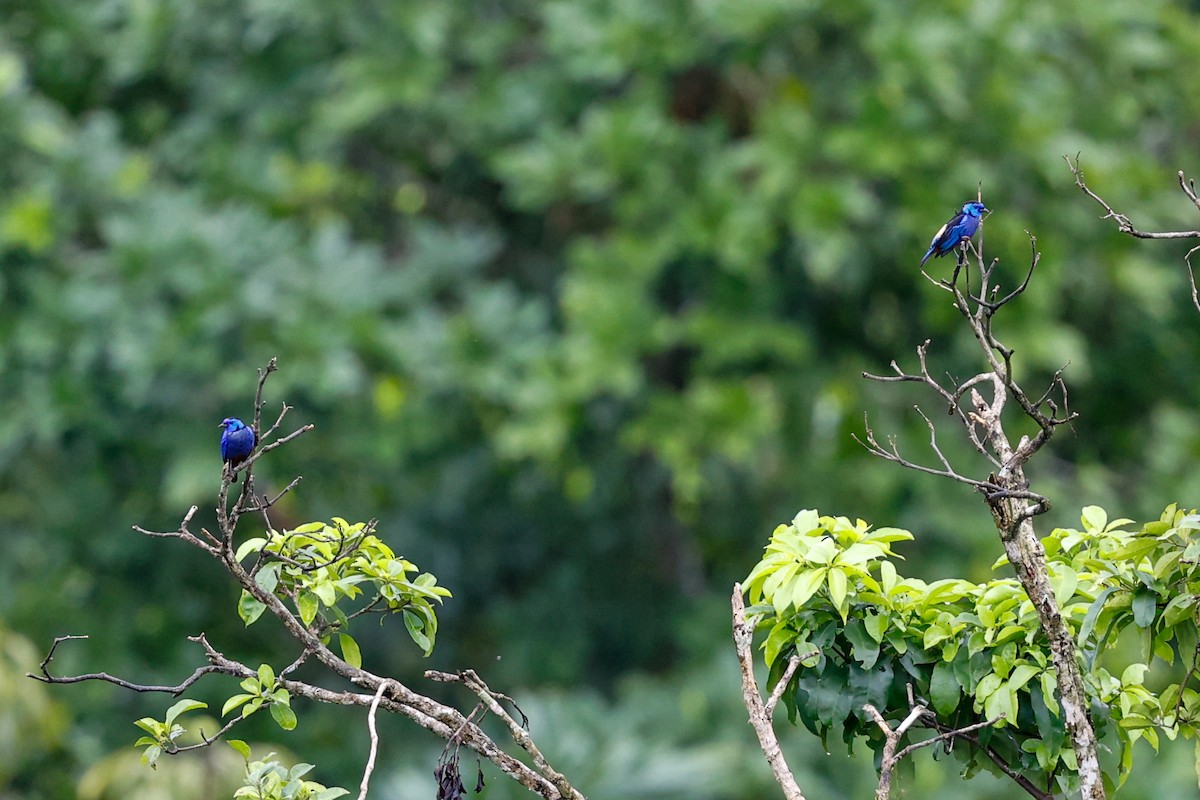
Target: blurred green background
578 295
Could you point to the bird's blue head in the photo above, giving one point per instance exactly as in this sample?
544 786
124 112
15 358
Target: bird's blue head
232 424
974 209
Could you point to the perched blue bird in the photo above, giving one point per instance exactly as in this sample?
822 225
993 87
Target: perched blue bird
962 226
237 442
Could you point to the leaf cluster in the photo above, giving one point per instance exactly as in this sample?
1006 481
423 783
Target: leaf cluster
263 689
267 779
827 593
316 566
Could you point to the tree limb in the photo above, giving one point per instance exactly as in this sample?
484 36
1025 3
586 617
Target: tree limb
760 714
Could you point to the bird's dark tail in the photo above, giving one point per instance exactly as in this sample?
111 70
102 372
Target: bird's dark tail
928 253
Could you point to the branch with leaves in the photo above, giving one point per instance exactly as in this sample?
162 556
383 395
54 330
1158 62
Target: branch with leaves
315 580
849 641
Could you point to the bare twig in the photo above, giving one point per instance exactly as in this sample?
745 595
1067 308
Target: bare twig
366 778
46 677
519 732
1016 777
760 715
892 737
781 687
1124 225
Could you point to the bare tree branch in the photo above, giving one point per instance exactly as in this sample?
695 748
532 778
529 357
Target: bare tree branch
366 778
1124 225
760 714
893 736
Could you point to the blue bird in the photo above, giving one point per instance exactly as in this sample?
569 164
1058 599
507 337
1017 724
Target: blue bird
962 226
237 442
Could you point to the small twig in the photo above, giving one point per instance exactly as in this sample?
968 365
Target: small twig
1192 277
46 677
518 731
1001 764
366 778
892 736
947 735
784 680
1124 225
184 534
206 741
272 366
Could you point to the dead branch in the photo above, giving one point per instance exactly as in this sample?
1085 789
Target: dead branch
1124 225
760 714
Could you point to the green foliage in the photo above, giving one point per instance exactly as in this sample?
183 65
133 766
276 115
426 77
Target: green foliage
315 566
261 690
826 593
557 281
163 735
267 779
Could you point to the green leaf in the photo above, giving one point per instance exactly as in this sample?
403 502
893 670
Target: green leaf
234 702
1002 701
284 716
181 707
306 604
249 546
150 756
807 520
266 676
1050 691
1021 675
944 688
780 636
838 586
1134 551
1063 580
1134 675
240 746
887 576
1094 518
876 625
1089 620
413 623
859 553
987 686
267 578
1145 604
249 609
325 592
150 725
805 585
866 649
350 651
